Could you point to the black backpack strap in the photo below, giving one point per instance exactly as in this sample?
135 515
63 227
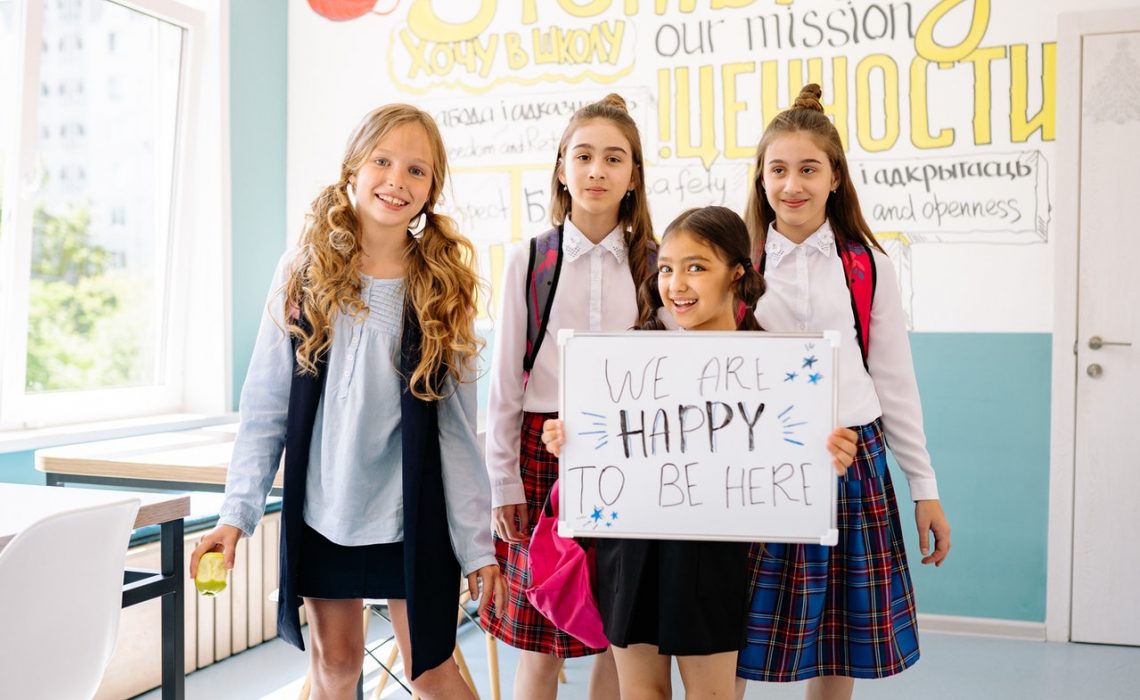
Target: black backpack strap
543 270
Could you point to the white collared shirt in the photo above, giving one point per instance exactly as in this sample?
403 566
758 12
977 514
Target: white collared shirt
806 291
595 293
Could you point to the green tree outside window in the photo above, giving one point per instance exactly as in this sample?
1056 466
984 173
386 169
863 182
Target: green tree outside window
82 310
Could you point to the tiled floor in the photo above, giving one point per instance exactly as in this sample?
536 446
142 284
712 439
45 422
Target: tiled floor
952 668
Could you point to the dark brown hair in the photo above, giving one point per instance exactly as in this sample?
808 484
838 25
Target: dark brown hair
633 212
724 231
843 211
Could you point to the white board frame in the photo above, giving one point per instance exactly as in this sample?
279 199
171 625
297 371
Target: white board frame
829 536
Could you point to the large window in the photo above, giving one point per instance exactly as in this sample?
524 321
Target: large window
96 172
8 81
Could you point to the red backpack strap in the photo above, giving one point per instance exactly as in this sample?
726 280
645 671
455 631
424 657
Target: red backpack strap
861 277
541 280
859 272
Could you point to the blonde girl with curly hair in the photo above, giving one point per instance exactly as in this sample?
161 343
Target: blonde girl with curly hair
363 375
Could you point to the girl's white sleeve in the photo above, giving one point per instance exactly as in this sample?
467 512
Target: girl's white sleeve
892 372
505 397
263 408
466 489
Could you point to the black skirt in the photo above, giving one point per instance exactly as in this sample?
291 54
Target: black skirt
332 571
687 598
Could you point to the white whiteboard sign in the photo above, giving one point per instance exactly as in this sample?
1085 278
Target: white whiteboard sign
704 436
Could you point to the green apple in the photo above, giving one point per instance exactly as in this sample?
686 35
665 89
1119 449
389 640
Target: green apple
211 578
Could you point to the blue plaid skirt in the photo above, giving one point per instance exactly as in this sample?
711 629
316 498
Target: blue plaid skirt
846 610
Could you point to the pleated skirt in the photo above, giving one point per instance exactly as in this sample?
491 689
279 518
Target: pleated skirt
846 610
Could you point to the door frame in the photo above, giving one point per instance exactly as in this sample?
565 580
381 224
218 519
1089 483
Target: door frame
1071 28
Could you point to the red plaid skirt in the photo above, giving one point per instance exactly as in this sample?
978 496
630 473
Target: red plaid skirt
846 610
521 625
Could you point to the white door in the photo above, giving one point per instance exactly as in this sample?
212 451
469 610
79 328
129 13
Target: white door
1106 536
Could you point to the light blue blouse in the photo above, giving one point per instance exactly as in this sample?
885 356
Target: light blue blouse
354 481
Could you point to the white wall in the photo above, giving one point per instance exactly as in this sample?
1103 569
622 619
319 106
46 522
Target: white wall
974 272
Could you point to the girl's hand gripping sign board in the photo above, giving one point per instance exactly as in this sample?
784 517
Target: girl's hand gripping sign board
704 436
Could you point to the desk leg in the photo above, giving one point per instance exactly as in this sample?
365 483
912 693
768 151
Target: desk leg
173 614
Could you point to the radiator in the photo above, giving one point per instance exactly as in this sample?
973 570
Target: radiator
241 617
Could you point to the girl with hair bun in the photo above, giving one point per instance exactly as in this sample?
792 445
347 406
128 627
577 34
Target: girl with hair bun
832 614
683 598
363 373
581 274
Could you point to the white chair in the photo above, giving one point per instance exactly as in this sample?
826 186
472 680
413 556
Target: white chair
61 592
380 607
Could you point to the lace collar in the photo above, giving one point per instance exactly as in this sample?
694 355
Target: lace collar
575 244
777 246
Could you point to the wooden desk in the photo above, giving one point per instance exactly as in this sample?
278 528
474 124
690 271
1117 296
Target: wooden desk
194 460
21 505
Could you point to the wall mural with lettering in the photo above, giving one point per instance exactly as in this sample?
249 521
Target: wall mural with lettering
946 107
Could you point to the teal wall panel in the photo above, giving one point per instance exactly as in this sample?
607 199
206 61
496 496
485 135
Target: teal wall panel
19 468
258 69
985 399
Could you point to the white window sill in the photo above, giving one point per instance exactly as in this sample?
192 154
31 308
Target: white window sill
21 440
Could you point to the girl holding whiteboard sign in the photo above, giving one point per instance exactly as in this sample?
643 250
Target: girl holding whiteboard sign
684 598
582 274
833 614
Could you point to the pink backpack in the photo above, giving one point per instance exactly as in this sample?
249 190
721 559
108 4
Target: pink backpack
561 577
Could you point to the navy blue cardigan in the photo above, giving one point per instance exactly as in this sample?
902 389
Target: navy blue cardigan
431 571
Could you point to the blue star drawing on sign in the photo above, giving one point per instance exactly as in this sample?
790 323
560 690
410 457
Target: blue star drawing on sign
814 378
809 362
613 515
610 524
789 376
597 515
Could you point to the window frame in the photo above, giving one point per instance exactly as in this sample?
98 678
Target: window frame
174 389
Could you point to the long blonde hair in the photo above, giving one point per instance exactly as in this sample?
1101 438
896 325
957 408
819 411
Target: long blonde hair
441 284
633 212
843 210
